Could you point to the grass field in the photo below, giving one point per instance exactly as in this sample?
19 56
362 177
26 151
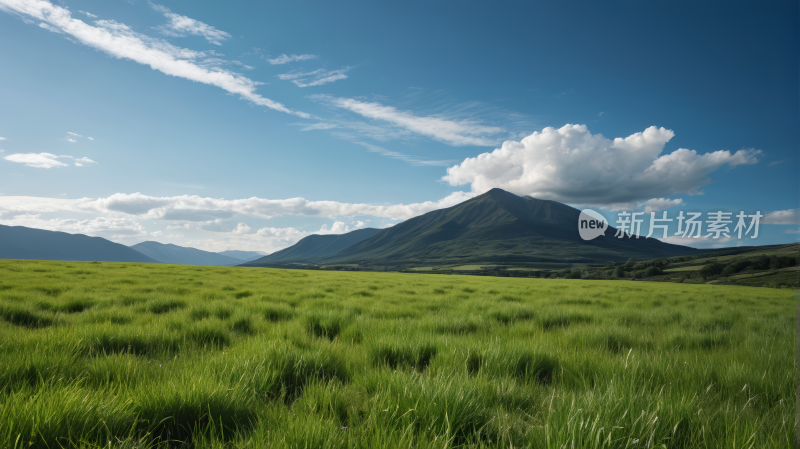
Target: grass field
144 355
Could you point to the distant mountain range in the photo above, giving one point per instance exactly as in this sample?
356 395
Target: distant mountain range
19 242
169 253
243 255
497 226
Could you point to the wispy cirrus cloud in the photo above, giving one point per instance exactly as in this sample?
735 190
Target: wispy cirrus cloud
315 78
74 134
46 160
120 41
284 59
88 14
180 26
451 131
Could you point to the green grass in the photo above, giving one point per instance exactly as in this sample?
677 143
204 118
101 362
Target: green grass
150 355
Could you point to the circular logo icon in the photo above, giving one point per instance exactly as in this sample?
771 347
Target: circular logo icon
591 224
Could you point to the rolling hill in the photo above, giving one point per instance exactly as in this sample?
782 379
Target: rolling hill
497 226
20 242
169 253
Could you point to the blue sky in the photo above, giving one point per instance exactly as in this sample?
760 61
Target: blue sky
243 125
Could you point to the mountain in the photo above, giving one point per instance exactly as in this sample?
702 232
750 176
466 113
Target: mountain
316 246
243 255
497 226
169 253
19 242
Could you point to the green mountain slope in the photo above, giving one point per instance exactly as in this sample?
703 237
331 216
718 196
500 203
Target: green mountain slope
316 246
497 226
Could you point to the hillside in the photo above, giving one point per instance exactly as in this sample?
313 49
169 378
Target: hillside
316 246
169 253
20 242
500 226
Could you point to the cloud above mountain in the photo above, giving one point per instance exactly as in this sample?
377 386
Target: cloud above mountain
572 165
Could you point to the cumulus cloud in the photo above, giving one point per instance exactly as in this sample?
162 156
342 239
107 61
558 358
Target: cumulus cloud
71 140
120 41
315 78
572 165
340 227
38 160
284 59
453 132
180 26
782 217
242 228
85 160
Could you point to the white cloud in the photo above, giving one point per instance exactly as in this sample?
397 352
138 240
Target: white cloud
453 132
782 217
283 59
88 14
317 126
74 134
318 77
38 160
774 163
651 205
120 41
3 138
242 228
90 138
180 26
572 165
340 227
71 140
659 204
113 227
195 208
45 160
